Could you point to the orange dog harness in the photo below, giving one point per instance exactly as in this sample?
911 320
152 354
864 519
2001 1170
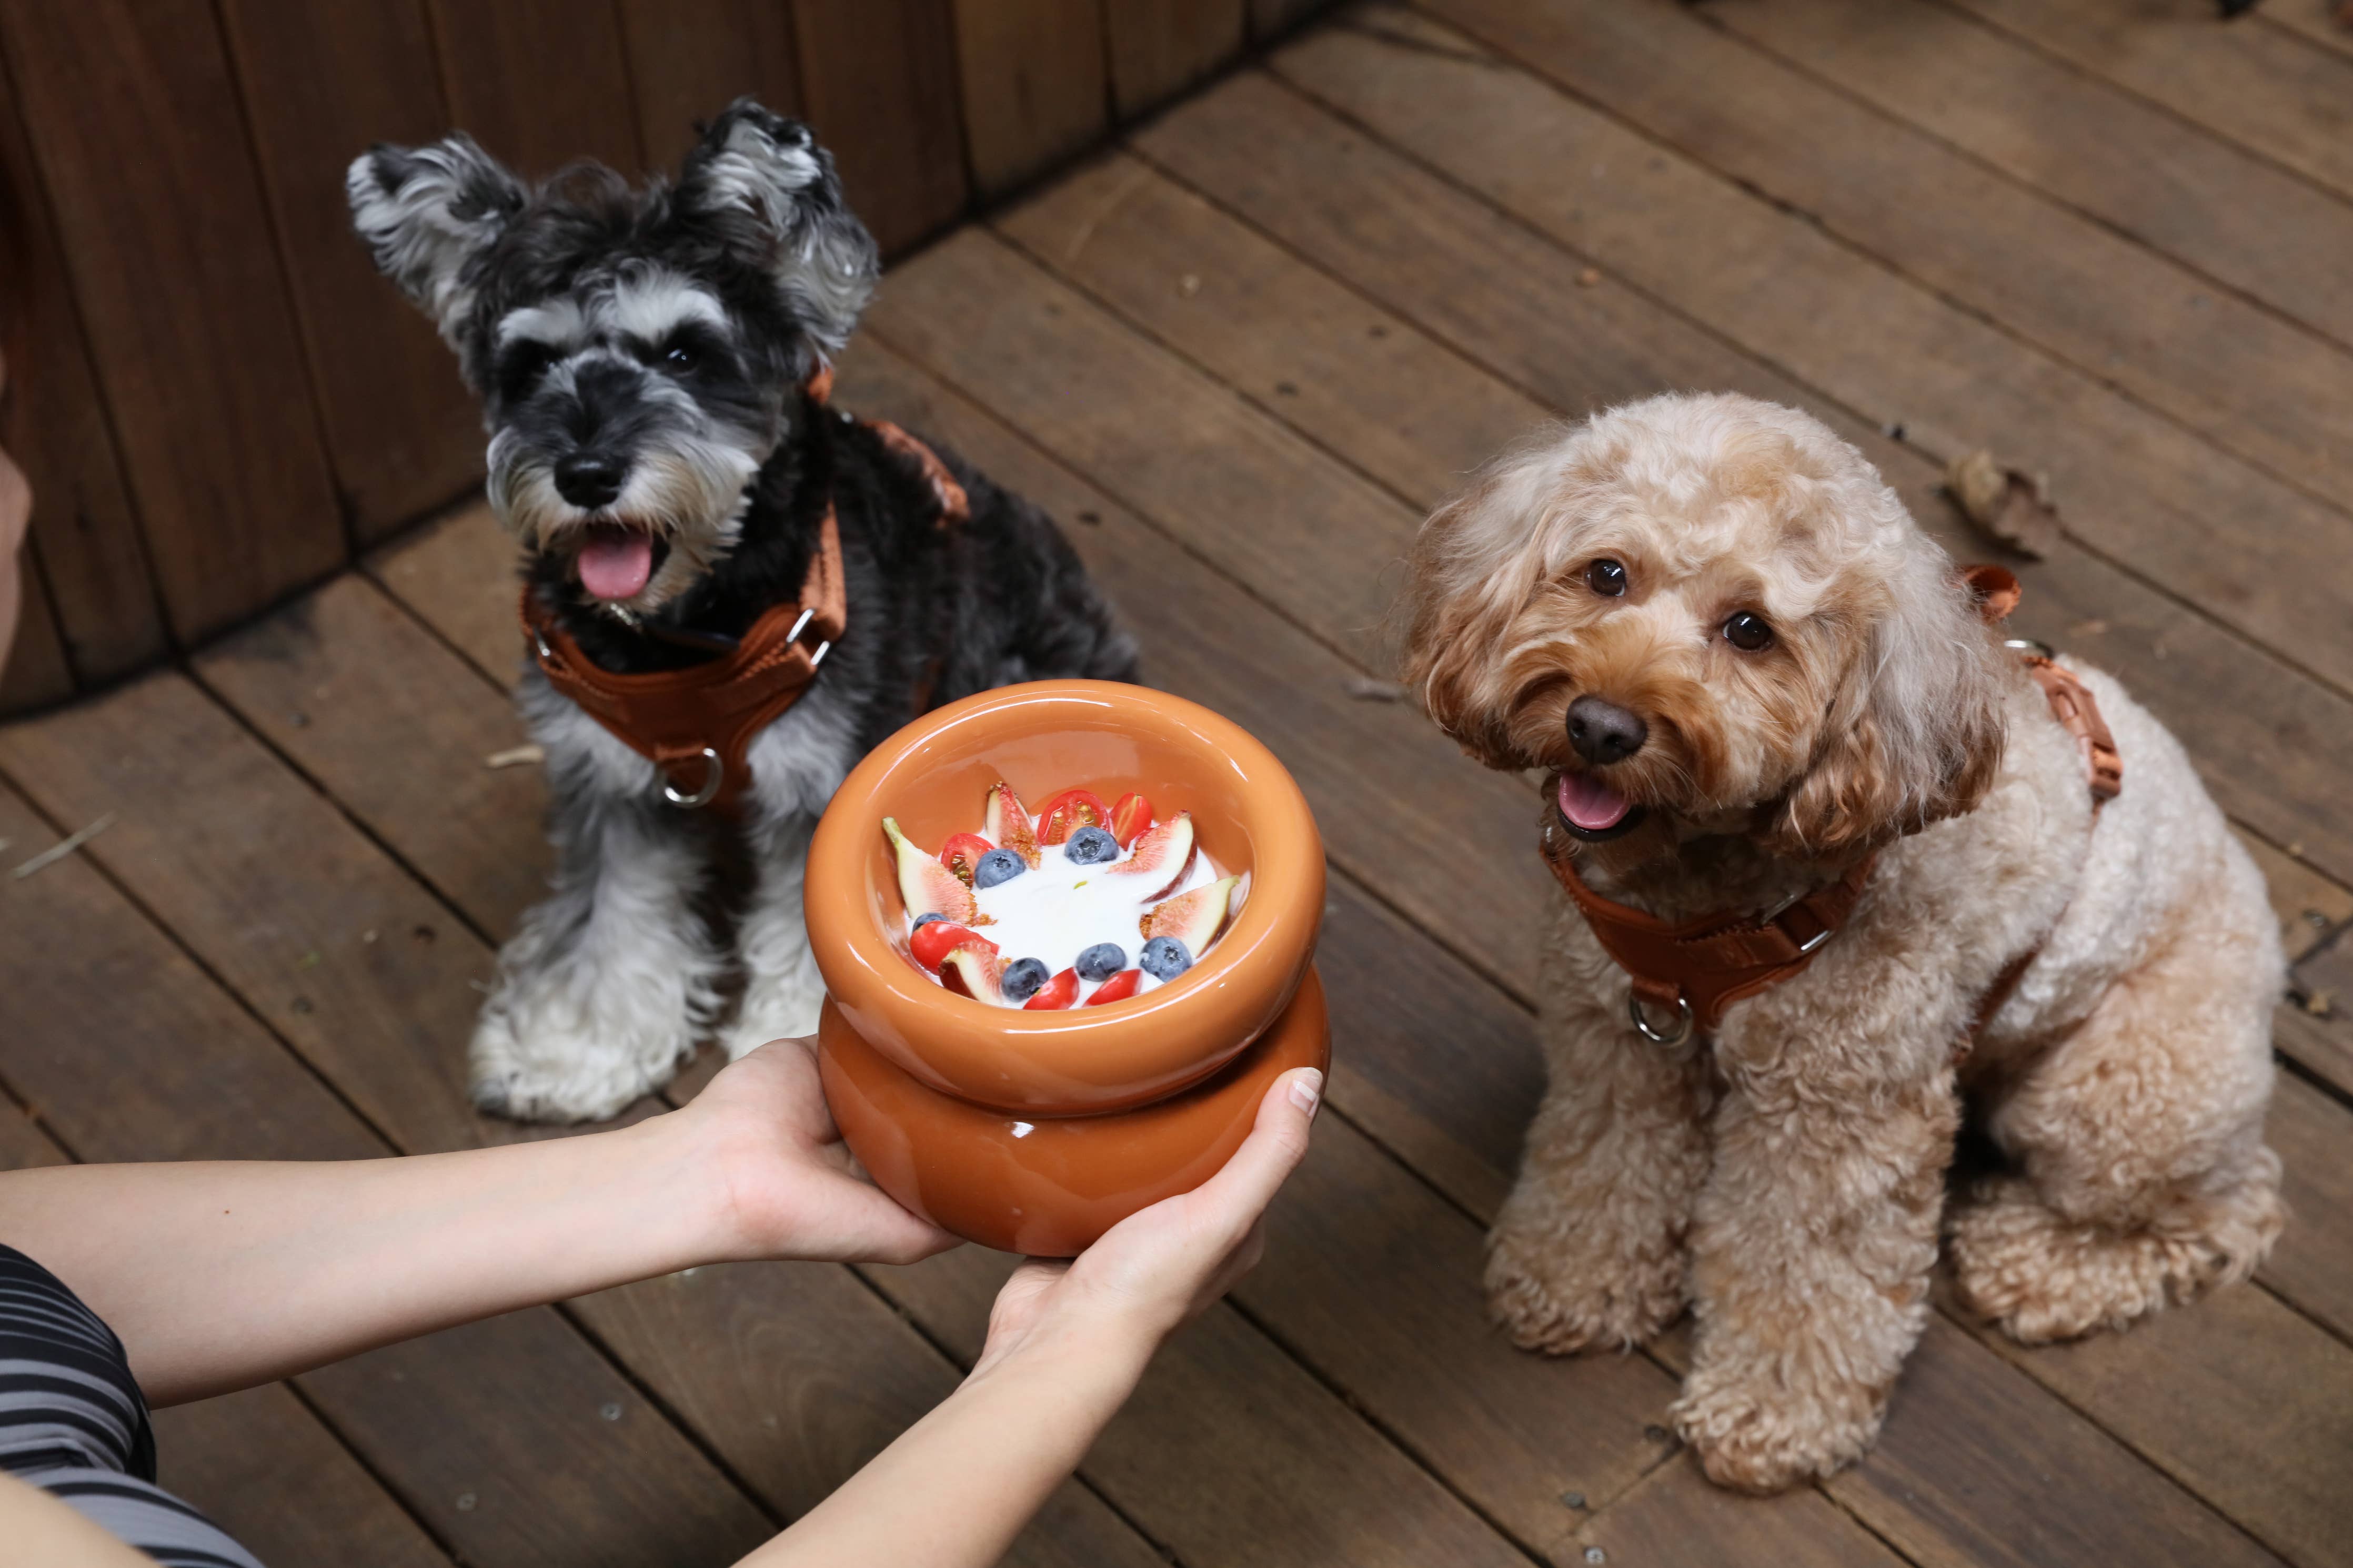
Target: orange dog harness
1700 967
697 724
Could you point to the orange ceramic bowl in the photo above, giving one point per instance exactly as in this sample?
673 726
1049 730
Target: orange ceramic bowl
1049 1187
933 777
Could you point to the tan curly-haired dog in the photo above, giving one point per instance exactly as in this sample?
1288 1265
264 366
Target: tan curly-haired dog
1749 669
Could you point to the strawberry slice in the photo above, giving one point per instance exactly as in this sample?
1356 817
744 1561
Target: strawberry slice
1130 818
962 855
1118 988
1057 993
1008 824
934 939
1070 811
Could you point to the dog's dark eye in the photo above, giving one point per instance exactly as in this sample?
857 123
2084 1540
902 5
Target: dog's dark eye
520 367
680 357
1748 632
1606 578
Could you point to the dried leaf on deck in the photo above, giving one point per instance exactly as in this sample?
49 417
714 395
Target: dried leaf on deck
2006 504
1365 689
516 757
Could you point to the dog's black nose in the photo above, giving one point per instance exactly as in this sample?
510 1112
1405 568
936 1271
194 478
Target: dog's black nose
1604 732
588 481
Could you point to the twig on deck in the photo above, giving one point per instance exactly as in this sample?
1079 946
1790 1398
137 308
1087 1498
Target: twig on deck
62 847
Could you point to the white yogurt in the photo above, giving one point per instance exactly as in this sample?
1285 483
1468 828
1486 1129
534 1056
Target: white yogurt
1058 909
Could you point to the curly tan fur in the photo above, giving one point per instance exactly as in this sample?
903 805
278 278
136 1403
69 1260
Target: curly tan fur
1787 1178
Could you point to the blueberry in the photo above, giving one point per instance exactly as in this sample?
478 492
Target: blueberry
1021 979
998 866
1102 961
1164 958
922 921
1091 847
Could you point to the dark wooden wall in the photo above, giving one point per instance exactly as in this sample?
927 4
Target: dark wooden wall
217 400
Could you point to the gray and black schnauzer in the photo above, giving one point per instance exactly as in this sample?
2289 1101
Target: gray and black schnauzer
642 357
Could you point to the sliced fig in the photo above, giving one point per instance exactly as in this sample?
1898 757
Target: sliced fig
928 887
1163 858
1007 825
931 943
970 971
1194 918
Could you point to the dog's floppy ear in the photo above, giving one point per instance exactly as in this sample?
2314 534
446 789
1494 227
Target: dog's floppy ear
428 214
771 191
1916 731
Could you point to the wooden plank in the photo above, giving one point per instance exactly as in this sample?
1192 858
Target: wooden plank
319 84
539 82
23 1144
461 576
2313 1265
691 58
186 1074
329 943
1327 739
2197 1392
2002 1477
2321 22
1160 47
2316 1025
397 729
54 425
265 1469
233 490
1676 1516
879 81
2115 316
1230 1453
1060 369
1743 267
1270 19
2259 86
2308 904
33 669
2240 219
1034 95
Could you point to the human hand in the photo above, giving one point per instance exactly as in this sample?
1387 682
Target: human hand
791 1188
1164 1266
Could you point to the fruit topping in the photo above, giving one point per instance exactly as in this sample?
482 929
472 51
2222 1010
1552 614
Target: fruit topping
1070 811
998 866
928 887
1102 961
936 939
1164 958
1056 993
1020 980
962 855
1129 817
1118 988
1091 847
1193 919
1164 855
1006 823
976 971
922 921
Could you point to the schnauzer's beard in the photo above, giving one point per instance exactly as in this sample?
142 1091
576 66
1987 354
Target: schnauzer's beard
688 491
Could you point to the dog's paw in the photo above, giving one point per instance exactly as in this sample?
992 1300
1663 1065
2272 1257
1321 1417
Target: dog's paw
1754 1435
2041 1277
535 1069
1557 1293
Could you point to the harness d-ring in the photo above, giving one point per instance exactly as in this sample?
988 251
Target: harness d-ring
714 771
1683 1020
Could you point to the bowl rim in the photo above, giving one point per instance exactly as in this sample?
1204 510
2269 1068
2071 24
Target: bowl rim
866 972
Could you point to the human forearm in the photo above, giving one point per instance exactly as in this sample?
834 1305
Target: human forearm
219 1276
958 1485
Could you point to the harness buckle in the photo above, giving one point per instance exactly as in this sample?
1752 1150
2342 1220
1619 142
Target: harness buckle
714 772
1682 1025
2029 645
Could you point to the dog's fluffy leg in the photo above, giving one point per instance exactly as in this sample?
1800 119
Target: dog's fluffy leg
2118 1215
614 977
782 987
1814 1237
1588 1250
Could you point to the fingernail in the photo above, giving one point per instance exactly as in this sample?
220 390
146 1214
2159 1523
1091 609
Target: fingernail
1307 1090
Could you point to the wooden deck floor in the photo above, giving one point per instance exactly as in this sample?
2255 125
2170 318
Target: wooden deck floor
1238 357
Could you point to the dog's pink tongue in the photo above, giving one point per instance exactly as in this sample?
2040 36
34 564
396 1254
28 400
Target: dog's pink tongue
1589 804
616 562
